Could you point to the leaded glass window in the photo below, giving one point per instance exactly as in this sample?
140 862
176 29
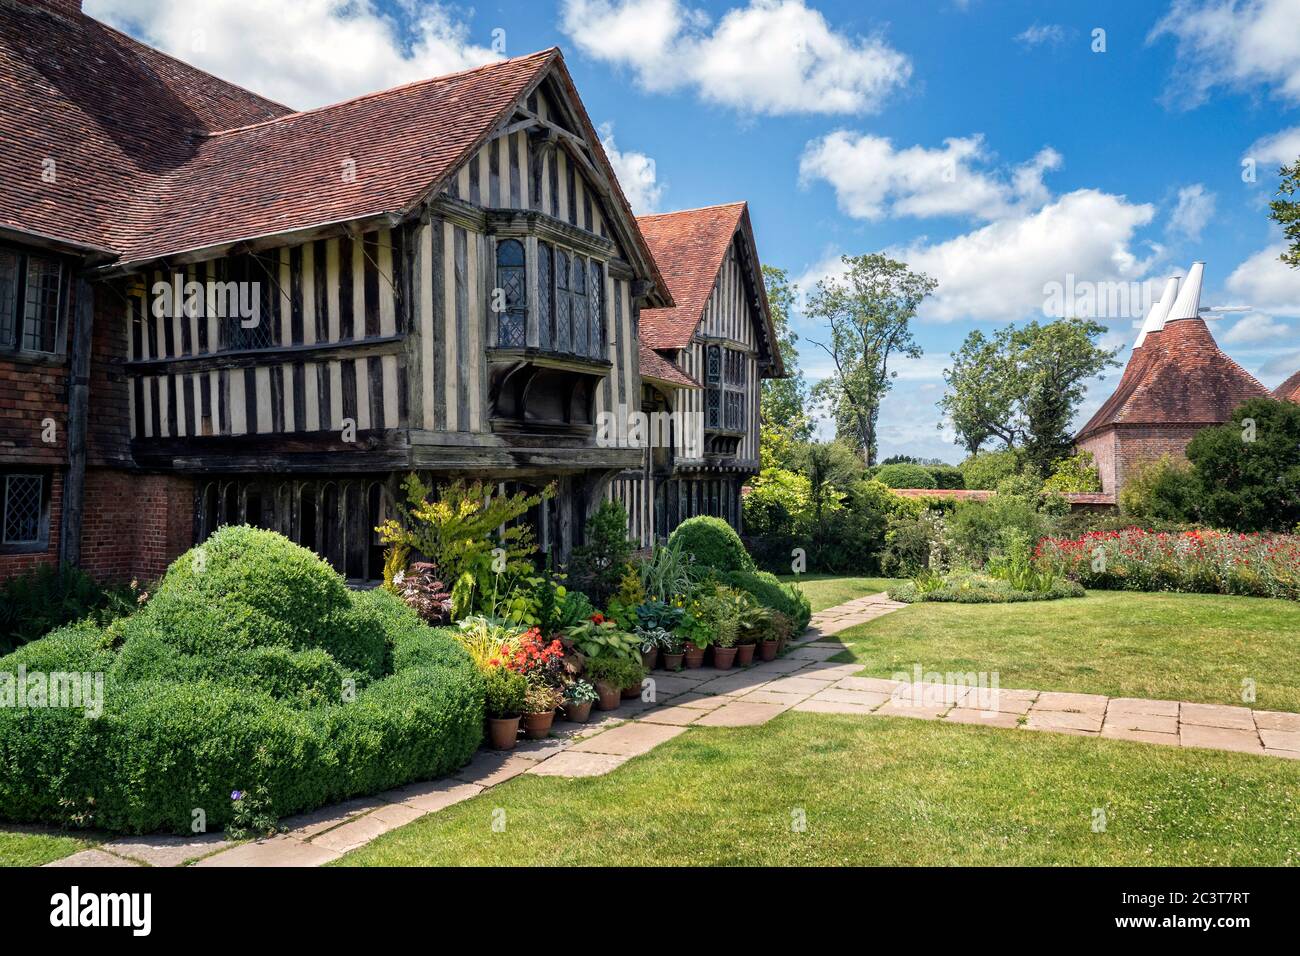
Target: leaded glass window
8 296
23 501
545 304
580 306
30 302
597 296
510 298
563 303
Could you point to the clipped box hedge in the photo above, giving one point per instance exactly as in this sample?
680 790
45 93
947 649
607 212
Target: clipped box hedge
772 593
254 669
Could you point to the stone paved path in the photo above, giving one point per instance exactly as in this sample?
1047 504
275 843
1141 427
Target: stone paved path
802 680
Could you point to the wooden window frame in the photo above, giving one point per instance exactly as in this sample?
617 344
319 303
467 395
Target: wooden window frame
42 542
15 334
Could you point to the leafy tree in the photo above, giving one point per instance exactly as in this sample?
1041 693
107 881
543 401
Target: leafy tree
784 401
985 469
906 476
1078 473
1023 386
1286 212
1160 494
1248 468
600 562
869 312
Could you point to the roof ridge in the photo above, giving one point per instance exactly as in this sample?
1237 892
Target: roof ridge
373 94
678 212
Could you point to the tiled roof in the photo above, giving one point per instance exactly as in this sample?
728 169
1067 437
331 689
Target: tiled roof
1184 380
657 368
113 116
1290 389
689 247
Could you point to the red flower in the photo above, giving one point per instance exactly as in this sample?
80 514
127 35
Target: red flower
598 618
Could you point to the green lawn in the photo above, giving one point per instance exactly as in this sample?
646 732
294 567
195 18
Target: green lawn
19 848
1167 646
828 590
876 791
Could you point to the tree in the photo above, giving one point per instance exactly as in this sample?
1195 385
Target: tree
1248 468
869 311
784 401
1023 386
1286 212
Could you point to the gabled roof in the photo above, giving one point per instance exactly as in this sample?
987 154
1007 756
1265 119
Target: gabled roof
656 368
1179 376
1289 390
114 116
690 246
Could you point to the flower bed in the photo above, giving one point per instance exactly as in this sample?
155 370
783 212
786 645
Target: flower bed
1206 562
963 587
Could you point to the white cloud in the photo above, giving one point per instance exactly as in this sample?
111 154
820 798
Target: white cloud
306 53
1280 149
1267 283
1237 44
1193 213
636 174
772 56
1256 329
872 179
1039 33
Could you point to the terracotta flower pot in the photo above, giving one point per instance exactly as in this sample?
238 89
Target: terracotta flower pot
632 691
780 645
608 696
694 656
650 658
578 713
538 726
672 662
767 650
745 654
724 657
503 732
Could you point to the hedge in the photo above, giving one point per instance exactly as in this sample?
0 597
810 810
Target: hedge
772 593
998 593
713 542
188 717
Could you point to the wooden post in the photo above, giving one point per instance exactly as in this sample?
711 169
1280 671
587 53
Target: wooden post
74 482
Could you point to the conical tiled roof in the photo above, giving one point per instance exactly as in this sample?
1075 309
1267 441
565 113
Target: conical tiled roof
1179 376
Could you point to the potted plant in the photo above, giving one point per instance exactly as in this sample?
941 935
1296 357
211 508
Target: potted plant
753 621
539 710
778 628
578 698
503 703
649 647
603 672
696 636
671 651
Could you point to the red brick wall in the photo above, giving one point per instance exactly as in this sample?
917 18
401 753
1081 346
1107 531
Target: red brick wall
1136 445
1102 447
14 564
135 525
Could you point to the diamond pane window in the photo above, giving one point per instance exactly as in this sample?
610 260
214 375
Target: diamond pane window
545 308
580 306
511 295
713 413
714 372
597 296
22 509
562 302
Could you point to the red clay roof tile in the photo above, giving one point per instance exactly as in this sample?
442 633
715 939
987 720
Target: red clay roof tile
1289 390
657 368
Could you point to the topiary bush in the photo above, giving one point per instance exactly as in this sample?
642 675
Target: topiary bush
772 593
713 542
905 476
296 690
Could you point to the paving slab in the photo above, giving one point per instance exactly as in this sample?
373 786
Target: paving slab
673 683
677 716
92 858
700 701
895 707
1139 705
628 740
878 684
277 851
835 644
304 826
1274 720
1092 704
1120 732
1220 738
842 695
810 653
166 850
433 795
765 696
983 718
922 694
815 706
782 665
572 763
1063 721
1280 739
1287 754
491 767
798 684
1217 715
739 683
1148 723
826 671
741 713
365 828
540 749
998 700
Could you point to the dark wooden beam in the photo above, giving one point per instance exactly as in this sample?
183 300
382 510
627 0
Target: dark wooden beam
74 482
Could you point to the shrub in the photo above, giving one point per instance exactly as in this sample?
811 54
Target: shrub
911 541
978 589
774 594
615 671
985 469
1077 473
1160 491
599 564
713 542
505 691
905 476
947 476
47 597
1249 468
977 529
267 701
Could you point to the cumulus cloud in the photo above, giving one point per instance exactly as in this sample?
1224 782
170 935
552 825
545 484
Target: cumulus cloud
1040 33
872 179
1256 329
1267 283
1193 213
1280 149
770 57
636 174
306 53
1235 44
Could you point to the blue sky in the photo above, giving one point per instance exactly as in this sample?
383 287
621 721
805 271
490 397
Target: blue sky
985 142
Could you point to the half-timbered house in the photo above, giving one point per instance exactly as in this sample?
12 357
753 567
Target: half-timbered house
232 312
703 360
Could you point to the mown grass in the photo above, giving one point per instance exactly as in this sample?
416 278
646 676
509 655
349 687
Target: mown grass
1194 647
828 590
876 790
20 848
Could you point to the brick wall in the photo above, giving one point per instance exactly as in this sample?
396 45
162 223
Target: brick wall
135 525
1102 446
1135 445
14 564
